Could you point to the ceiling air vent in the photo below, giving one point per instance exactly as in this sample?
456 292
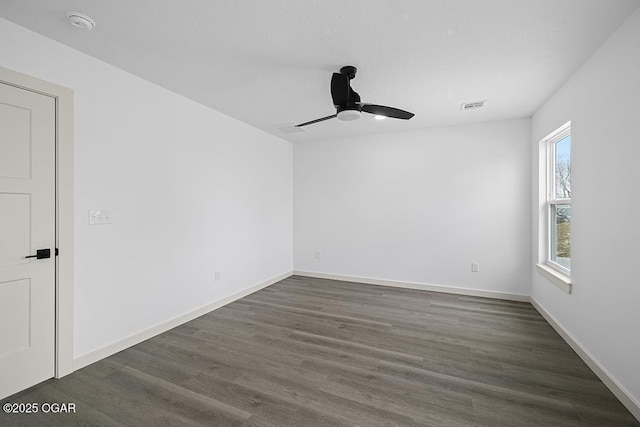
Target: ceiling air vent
288 128
472 105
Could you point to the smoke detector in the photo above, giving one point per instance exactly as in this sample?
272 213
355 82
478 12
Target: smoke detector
81 21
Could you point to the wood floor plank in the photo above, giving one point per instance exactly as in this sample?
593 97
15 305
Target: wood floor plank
348 411
318 352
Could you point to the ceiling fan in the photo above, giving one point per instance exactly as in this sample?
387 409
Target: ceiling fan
347 101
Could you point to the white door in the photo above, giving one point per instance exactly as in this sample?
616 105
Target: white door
27 224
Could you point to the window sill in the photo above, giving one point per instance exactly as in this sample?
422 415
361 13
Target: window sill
560 280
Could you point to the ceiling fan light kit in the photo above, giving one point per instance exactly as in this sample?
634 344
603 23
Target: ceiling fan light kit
347 101
349 115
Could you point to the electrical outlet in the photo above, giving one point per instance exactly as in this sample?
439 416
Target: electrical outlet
318 255
475 267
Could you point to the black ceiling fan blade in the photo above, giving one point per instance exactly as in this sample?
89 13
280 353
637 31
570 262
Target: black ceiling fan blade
317 120
354 98
381 110
339 89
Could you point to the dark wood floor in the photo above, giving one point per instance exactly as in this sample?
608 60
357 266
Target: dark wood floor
313 352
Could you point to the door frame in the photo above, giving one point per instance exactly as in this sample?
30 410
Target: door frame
64 211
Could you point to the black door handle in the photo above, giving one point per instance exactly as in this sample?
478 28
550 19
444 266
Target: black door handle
41 254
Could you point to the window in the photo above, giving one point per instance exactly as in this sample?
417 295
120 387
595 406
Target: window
558 200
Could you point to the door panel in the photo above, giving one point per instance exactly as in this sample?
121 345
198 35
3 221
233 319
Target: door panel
15 300
14 228
27 223
15 161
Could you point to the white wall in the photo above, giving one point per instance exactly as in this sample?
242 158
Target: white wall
418 206
190 191
601 100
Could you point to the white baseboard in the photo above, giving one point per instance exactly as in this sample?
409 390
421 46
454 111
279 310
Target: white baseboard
414 285
106 351
616 388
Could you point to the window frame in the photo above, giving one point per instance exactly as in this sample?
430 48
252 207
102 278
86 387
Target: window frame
550 270
551 199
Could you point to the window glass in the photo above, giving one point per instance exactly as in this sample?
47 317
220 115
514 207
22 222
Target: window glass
561 235
562 163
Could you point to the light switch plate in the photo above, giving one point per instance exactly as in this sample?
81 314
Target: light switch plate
99 217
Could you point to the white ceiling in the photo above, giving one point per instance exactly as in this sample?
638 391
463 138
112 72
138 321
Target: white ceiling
269 62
